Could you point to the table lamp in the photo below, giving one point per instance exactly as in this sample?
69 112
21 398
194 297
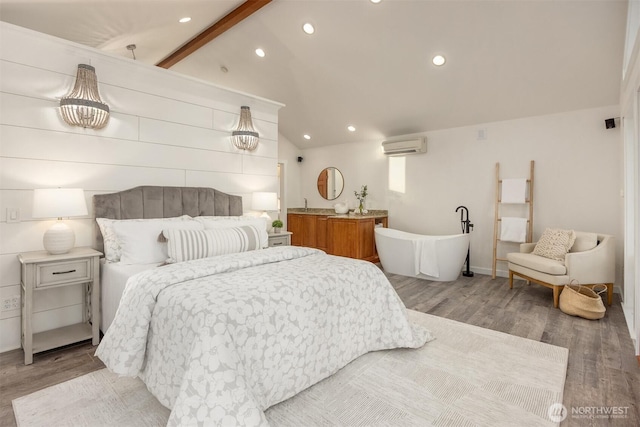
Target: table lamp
59 203
264 201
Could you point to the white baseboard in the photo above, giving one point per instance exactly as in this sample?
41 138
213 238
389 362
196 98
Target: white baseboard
628 316
489 272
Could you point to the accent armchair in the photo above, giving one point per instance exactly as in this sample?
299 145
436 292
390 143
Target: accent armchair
589 266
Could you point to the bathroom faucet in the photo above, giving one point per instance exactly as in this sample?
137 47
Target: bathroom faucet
305 204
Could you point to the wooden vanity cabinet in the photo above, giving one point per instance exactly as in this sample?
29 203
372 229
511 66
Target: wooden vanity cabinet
351 237
296 227
308 230
321 232
354 238
296 224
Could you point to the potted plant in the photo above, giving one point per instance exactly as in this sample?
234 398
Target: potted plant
277 225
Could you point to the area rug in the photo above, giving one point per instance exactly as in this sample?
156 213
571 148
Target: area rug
467 376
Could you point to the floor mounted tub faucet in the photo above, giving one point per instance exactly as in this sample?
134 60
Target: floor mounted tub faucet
466 229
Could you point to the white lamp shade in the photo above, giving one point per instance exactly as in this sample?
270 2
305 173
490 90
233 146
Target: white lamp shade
59 203
264 201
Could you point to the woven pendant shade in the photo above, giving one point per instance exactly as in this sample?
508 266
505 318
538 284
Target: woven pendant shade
245 137
83 106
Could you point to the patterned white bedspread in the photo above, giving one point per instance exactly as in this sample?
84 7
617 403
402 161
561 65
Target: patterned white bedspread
219 340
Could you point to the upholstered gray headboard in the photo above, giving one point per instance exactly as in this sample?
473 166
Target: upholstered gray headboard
163 202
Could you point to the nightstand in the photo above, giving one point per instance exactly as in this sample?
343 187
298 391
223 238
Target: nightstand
41 270
280 239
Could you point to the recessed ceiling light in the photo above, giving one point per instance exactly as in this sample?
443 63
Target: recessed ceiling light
351 128
438 60
305 136
308 28
185 19
260 52
376 1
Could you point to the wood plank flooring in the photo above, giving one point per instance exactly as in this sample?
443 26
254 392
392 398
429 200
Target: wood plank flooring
48 368
602 372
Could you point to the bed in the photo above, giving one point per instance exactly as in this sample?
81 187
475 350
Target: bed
219 338
148 202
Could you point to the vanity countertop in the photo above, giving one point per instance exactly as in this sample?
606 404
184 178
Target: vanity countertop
331 213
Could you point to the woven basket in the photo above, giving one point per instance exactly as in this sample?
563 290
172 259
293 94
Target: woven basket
581 301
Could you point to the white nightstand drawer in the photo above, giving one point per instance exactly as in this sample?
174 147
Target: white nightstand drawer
279 240
55 273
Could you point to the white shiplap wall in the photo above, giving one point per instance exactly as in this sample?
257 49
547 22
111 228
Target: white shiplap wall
165 129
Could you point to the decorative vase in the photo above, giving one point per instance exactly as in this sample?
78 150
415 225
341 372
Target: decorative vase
277 229
361 207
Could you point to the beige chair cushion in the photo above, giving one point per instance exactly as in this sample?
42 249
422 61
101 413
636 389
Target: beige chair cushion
555 243
584 242
538 263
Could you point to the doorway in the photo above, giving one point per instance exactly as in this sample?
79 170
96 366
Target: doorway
282 195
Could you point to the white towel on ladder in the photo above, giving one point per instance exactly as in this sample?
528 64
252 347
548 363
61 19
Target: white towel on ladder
513 229
514 190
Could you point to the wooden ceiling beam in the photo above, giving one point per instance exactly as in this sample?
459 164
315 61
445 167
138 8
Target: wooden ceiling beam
241 12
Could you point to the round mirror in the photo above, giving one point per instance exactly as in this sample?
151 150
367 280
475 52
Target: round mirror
330 183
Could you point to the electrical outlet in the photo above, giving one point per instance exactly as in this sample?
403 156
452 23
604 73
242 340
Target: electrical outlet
11 303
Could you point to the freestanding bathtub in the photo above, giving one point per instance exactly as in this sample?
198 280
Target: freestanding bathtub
438 258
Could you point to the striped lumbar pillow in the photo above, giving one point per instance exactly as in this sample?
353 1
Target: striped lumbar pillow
185 245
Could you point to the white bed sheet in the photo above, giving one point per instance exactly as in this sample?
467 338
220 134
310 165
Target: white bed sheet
113 279
219 340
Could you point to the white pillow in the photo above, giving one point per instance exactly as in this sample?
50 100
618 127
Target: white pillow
140 241
235 219
261 224
112 245
554 243
584 242
186 245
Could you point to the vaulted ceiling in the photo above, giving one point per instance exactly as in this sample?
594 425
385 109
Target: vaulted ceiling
369 65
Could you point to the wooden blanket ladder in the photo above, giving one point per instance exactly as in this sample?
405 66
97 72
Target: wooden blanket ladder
498 215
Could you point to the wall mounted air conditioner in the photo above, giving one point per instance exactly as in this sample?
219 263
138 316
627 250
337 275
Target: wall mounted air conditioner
408 146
